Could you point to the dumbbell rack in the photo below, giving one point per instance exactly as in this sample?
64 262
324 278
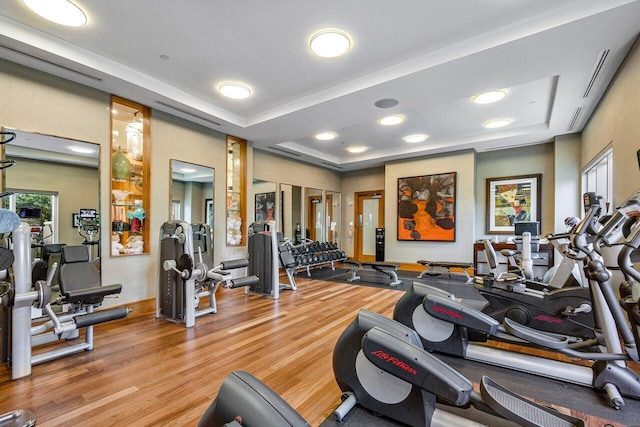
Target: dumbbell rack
310 254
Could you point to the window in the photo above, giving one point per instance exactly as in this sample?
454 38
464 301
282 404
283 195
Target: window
176 211
597 177
40 210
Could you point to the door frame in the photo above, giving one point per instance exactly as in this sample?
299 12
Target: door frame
357 211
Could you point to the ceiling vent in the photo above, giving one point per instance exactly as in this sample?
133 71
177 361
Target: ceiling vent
290 153
601 62
44 60
332 165
575 119
195 116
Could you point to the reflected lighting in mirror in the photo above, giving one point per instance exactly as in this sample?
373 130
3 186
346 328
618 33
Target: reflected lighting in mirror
192 196
58 177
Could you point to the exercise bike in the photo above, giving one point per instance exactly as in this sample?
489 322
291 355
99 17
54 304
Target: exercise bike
448 326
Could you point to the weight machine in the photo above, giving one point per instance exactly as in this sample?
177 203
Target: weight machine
187 273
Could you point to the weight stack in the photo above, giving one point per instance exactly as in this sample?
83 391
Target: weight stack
171 286
261 262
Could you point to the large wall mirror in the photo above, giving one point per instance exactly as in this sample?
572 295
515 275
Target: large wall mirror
291 203
192 193
264 201
334 213
315 219
55 181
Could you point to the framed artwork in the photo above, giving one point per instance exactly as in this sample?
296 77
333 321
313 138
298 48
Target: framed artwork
208 212
511 199
75 220
265 205
427 208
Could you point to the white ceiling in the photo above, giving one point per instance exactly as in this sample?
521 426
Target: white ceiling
432 56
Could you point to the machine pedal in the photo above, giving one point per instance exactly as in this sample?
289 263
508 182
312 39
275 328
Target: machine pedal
524 412
534 336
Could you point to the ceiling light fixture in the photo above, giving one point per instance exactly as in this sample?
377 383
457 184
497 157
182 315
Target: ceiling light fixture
325 136
234 90
396 119
330 43
81 150
357 149
187 170
496 123
418 137
489 97
61 12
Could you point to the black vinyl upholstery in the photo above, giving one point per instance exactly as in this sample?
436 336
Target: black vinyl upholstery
79 279
242 394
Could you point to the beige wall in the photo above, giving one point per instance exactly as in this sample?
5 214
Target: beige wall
353 182
616 121
463 163
518 161
41 103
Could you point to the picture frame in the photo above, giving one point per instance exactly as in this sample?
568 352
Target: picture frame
265 206
427 208
75 220
511 199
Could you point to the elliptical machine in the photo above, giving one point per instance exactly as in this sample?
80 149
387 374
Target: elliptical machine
567 310
381 365
448 326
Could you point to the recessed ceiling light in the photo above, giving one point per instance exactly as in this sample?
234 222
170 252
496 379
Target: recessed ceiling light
81 150
357 149
61 12
330 43
418 137
489 97
325 136
391 120
235 90
496 123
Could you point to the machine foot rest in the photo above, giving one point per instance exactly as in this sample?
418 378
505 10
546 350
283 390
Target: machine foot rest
522 411
552 341
101 316
244 281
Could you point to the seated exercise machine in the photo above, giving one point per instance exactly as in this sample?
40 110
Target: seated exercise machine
448 326
436 268
80 292
187 273
381 365
387 268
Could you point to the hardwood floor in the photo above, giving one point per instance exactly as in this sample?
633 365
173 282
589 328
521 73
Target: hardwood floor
147 371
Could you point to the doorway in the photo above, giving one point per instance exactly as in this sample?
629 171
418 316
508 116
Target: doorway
369 215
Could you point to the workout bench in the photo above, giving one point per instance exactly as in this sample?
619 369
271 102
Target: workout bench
386 268
435 268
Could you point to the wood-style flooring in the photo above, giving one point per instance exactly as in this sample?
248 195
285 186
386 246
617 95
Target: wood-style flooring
147 371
